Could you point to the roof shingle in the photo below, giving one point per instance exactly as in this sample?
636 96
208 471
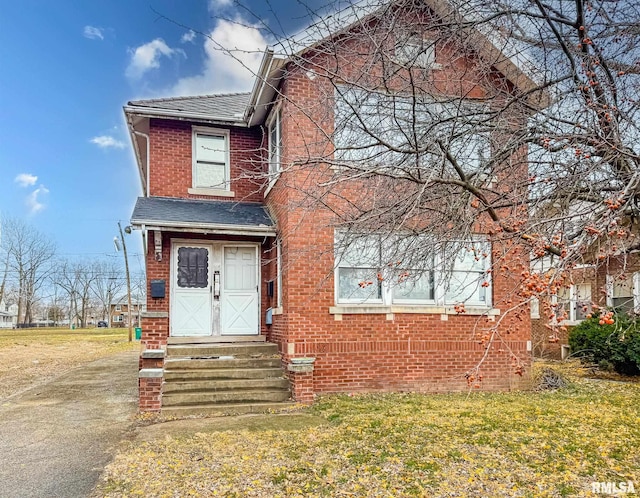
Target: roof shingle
229 107
167 211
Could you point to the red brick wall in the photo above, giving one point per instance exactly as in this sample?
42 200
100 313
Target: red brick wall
368 352
171 161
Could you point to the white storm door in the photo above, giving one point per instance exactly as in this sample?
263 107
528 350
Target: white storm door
239 303
191 312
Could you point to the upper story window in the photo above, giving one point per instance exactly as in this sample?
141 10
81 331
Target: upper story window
210 159
374 270
414 50
395 134
274 126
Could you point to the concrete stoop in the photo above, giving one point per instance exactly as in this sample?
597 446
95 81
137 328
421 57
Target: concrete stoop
223 378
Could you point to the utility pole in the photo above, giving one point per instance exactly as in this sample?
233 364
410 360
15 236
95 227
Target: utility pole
126 267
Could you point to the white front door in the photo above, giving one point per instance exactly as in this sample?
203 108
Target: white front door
191 306
239 302
214 290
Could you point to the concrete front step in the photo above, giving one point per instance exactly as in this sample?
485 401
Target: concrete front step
226 385
216 339
217 397
225 409
205 373
181 364
244 350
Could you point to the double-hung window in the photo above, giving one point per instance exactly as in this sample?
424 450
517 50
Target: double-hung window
623 292
413 49
467 280
405 270
274 127
574 302
358 270
210 159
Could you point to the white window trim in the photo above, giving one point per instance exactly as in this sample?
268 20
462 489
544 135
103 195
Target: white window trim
205 130
439 303
274 172
118 307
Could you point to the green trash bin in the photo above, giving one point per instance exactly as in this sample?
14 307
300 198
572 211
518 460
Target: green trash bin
138 333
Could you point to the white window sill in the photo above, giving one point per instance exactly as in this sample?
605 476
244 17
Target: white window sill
570 323
424 309
212 191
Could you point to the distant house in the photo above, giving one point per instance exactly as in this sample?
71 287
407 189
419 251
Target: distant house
119 311
224 247
8 315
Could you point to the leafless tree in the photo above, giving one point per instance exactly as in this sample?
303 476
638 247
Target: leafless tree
77 280
29 255
107 286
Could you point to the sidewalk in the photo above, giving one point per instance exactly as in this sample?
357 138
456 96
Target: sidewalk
56 438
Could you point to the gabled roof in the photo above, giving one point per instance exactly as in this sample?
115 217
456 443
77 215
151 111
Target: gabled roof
488 45
135 299
202 216
228 107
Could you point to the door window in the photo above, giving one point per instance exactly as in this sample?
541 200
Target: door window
193 267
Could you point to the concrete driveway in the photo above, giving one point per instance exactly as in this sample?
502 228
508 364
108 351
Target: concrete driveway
56 438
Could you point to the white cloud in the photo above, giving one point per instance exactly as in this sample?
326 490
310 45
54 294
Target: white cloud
188 37
147 56
216 4
33 200
233 51
93 33
107 141
26 179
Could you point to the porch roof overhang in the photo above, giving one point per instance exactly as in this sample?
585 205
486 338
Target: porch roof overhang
202 216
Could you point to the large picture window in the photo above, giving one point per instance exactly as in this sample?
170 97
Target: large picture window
371 269
210 159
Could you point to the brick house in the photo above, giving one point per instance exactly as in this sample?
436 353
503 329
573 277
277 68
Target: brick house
119 311
241 267
612 284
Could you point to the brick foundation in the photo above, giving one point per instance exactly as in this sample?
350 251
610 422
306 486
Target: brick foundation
150 391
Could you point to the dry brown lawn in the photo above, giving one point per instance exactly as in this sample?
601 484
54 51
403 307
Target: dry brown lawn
29 357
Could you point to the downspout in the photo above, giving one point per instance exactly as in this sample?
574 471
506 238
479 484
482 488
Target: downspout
146 137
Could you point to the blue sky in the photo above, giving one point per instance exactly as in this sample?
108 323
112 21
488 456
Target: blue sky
66 70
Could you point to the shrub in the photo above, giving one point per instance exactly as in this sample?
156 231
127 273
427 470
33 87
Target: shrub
615 345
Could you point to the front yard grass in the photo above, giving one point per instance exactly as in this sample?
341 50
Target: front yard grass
530 444
32 356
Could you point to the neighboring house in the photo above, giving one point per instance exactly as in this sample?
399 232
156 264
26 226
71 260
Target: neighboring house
119 311
8 315
614 284
232 254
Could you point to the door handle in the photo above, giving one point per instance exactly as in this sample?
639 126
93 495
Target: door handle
216 284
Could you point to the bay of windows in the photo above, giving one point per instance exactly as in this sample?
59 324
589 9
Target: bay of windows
376 270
